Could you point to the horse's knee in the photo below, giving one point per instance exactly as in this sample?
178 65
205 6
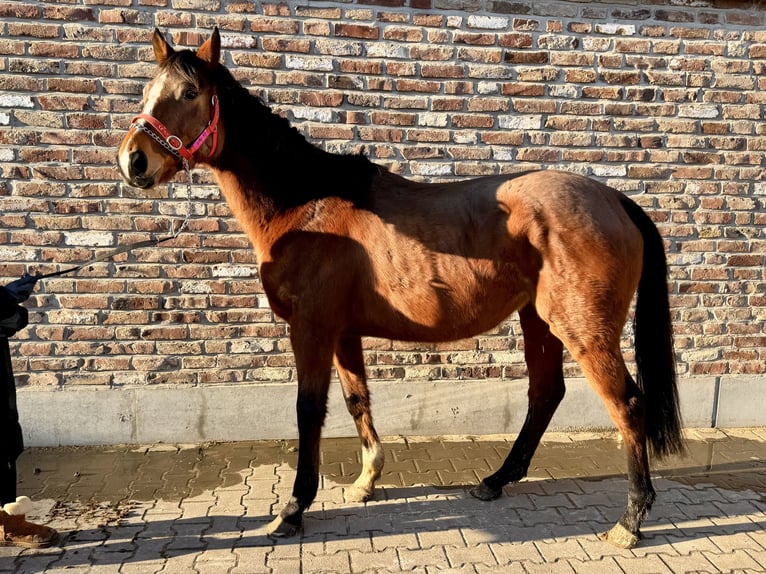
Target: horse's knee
311 411
549 397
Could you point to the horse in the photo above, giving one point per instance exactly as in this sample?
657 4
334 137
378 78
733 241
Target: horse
347 249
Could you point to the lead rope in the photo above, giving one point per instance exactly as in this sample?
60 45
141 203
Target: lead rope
174 233
185 222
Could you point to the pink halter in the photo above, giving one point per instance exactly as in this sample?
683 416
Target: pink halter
172 142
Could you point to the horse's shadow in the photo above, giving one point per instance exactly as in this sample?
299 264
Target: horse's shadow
414 517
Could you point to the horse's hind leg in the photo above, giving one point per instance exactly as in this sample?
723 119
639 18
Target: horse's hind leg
605 369
626 406
543 353
349 362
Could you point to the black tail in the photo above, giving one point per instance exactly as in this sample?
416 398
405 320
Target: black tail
655 356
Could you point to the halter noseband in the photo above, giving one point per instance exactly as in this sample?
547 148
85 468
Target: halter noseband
173 143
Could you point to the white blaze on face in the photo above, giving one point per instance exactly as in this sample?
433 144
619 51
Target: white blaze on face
155 93
151 97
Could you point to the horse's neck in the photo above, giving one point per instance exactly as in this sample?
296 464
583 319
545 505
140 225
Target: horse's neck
269 173
255 212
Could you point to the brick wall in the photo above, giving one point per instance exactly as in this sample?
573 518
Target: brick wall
662 100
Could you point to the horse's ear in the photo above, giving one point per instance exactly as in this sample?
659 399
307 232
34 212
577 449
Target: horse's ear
162 50
210 51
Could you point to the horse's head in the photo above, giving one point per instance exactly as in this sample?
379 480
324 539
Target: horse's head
179 120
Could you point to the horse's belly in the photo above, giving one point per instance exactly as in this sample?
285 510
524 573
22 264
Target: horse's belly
463 299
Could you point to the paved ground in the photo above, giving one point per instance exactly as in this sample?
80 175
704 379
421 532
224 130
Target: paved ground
203 509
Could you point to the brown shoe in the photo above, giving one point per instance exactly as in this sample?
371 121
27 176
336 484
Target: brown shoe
16 531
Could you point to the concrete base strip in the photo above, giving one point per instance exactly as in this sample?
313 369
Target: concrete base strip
87 416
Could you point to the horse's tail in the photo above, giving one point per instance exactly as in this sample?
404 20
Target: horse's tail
655 356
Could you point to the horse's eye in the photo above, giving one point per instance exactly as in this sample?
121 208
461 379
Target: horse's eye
190 94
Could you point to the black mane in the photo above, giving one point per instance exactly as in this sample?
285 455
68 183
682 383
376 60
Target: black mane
262 147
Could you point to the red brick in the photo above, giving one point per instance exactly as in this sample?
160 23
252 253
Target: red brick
535 106
472 121
357 31
474 39
442 70
274 25
428 135
270 9
432 53
580 76
381 134
36 30
516 40
403 34
512 57
538 155
404 85
395 119
432 20
287 45
620 77
447 104
361 67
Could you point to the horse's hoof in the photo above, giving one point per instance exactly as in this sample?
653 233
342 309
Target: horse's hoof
357 494
484 492
280 528
621 537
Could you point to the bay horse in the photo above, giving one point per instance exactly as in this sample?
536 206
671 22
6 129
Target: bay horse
348 249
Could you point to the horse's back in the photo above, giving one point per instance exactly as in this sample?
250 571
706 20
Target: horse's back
494 216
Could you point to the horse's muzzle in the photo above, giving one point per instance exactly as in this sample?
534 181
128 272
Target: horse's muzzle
133 170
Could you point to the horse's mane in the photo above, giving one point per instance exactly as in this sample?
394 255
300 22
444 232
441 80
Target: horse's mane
284 166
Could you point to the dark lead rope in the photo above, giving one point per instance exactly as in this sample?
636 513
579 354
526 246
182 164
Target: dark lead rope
108 255
139 244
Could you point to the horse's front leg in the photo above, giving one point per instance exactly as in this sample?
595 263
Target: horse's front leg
349 362
313 359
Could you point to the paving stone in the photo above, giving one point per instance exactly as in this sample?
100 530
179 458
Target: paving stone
416 558
406 541
513 568
560 567
732 561
694 562
251 560
650 564
284 564
466 555
604 566
179 563
363 561
561 549
736 541
346 543
655 544
687 545
440 538
339 562
141 566
759 556
516 552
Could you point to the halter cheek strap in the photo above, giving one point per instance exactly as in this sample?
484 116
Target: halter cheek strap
172 142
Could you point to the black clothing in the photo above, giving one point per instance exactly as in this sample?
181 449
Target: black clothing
13 317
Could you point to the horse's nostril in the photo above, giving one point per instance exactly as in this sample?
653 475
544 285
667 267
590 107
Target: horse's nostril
138 163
